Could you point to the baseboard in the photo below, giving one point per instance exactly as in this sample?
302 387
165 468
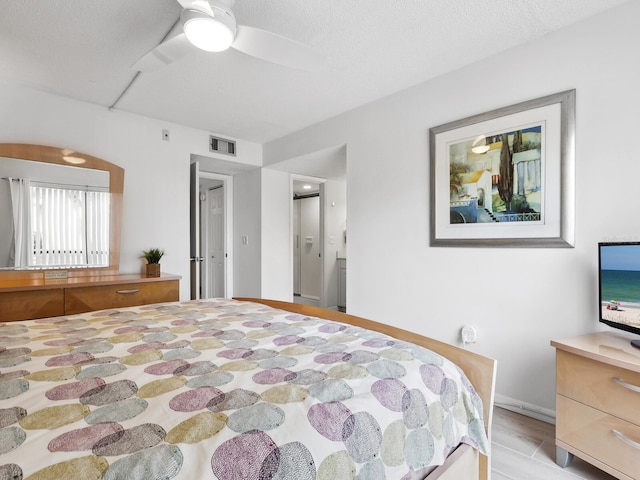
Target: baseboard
524 408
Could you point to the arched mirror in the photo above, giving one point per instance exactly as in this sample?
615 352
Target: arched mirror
59 209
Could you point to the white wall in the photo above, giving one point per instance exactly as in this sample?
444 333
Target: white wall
246 223
519 299
277 259
156 190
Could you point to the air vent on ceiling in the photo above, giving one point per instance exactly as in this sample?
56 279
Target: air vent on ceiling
222 145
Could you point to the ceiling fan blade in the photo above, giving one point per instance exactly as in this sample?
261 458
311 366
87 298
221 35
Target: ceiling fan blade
275 48
167 52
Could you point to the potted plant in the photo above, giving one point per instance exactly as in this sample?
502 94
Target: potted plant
153 256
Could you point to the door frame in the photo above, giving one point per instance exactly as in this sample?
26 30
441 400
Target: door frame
194 230
321 182
227 181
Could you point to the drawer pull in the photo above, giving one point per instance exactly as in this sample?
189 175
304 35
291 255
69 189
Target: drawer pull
128 292
629 386
626 440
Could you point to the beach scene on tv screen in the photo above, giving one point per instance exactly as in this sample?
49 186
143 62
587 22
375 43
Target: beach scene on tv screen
620 283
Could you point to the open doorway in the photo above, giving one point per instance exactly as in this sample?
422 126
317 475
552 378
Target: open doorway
327 168
211 234
308 241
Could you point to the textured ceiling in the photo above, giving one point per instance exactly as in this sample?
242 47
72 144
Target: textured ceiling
83 49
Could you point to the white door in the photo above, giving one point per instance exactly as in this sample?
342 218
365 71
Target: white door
216 242
216 235
310 241
194 217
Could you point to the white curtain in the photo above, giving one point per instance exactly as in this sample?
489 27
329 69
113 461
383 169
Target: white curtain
19 189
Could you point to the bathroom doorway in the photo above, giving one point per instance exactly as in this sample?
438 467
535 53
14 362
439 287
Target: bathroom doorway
307 241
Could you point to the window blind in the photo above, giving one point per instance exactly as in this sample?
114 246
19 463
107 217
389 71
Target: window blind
69 226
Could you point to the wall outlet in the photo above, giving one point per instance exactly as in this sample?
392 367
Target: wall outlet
468 334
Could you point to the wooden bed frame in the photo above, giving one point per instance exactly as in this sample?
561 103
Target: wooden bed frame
465 462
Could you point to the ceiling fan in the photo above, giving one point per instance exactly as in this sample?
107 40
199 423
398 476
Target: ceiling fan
211 25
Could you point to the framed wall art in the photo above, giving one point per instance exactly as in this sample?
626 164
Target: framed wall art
506 178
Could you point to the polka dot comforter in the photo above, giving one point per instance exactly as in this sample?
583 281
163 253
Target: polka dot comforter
222 389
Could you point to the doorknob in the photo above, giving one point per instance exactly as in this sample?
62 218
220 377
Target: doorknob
196 259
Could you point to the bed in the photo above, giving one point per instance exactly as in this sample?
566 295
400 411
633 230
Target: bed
238 389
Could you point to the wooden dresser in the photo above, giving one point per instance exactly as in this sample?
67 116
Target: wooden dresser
38 298
598 402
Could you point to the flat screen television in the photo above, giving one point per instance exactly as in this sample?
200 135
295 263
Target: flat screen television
619 286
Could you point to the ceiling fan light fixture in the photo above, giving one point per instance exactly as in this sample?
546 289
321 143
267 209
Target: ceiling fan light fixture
211 33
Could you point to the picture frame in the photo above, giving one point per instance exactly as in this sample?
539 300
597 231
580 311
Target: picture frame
505 178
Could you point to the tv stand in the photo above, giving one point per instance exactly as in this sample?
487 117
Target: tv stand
597 397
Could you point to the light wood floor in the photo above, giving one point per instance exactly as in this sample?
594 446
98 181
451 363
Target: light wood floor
523 448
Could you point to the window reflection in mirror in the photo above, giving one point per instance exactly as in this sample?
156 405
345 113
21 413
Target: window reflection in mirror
52 215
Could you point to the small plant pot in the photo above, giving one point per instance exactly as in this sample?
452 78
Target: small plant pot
153 269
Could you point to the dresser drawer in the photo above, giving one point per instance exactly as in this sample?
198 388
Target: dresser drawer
24 305
85 299
605 387
592 432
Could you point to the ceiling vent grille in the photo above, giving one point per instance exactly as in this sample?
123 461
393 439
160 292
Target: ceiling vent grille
222 145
